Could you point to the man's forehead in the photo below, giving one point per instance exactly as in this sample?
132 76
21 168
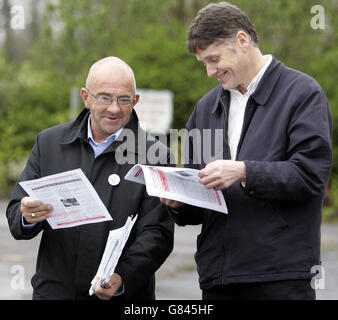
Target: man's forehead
111 70
108 78
112 88
212 50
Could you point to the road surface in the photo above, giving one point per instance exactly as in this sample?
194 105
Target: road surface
176 279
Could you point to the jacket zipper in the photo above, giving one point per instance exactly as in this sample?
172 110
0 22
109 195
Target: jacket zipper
229 156
224 129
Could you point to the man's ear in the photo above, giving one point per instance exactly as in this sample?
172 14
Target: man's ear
84 97
137 97
242 40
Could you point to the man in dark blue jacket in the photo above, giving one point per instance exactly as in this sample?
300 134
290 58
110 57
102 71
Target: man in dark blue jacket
273 169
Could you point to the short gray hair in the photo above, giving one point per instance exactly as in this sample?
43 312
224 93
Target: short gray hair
217 22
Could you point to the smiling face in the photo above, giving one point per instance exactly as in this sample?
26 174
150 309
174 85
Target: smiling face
228 62
115 80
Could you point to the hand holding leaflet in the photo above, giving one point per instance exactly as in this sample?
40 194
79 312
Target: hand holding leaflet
74 199
180 184
115 243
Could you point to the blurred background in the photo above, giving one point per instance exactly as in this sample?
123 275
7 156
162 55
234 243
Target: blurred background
47 47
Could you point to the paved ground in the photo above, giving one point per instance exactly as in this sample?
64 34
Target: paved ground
176 279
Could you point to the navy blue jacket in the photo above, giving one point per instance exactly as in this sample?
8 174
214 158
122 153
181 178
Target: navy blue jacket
272 231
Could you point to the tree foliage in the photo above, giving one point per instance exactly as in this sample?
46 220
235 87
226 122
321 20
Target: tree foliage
150 35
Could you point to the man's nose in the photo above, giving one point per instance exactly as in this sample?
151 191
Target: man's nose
211 70
113 106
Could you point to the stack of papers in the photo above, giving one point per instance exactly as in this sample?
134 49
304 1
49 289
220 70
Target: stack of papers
116 241
180 184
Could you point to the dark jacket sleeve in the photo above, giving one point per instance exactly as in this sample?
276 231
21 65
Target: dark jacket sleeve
151 242
188 214
306 170
13 212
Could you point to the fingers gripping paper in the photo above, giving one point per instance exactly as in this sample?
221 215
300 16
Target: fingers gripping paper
115 243
72 196
180 184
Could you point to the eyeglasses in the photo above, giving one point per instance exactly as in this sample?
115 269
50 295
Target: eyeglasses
107 100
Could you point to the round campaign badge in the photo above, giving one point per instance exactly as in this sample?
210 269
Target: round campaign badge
114 179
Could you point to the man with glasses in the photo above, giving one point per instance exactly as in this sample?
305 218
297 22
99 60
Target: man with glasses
69 258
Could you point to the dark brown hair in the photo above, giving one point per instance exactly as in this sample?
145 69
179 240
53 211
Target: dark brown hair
218 21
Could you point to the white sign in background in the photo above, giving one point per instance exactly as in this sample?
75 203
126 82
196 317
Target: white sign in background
155 110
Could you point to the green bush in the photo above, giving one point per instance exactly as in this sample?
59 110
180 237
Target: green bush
150 36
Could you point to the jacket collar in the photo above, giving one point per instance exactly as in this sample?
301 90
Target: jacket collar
220 92
264 88
77 129
268 82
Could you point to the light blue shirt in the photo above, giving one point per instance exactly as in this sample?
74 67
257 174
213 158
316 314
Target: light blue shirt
100 147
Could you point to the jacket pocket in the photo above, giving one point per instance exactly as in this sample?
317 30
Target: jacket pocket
275 222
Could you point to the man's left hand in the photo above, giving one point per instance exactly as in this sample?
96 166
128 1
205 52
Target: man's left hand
109 290
221 174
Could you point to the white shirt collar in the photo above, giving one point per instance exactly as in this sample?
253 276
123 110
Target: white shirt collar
255 81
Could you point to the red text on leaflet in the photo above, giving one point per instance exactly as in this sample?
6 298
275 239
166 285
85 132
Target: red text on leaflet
163 180
218 198
137 173
81 220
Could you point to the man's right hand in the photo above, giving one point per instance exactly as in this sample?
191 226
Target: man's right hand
171 203
34 211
